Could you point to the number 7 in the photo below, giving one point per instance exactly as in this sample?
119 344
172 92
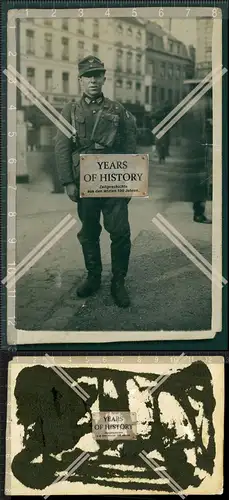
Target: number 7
188 10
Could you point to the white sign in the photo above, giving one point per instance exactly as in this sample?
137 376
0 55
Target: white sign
113 176
116 425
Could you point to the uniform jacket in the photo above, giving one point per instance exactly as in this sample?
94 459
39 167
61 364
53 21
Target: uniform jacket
114 131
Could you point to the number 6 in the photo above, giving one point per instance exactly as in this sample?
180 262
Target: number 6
161 12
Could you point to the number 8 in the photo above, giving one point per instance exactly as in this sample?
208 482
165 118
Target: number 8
214 12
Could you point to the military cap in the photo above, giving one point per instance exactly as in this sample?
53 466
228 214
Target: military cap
90 64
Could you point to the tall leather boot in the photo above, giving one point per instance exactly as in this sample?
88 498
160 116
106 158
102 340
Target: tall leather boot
93 264
119 292
199 213
120 253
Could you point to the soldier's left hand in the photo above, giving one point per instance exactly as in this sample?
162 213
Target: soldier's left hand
72 192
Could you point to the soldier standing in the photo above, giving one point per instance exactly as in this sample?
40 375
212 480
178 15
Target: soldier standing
102 126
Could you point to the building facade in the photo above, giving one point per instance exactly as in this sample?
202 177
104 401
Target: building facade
168 64
51 48
129 64
204 28
145 65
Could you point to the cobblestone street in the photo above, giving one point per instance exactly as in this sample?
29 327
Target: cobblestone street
165 287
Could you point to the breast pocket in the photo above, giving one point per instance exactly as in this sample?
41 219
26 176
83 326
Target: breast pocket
105 129
81 126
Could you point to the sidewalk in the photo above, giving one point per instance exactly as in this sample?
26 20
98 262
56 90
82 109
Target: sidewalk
167 290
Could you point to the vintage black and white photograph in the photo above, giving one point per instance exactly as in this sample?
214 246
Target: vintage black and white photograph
111 267
54 445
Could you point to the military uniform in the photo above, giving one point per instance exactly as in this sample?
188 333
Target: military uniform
102 126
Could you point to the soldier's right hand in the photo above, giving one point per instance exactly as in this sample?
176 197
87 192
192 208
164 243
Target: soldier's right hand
72 192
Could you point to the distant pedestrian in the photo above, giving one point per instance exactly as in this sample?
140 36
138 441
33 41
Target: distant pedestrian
162 144
198 154
162 149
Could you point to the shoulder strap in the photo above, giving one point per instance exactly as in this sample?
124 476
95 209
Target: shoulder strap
73 120
75 108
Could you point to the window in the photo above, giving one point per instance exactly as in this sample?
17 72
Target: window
160 43
96 28
129 85
170 46
118 83
138 86
30 45
119 62
147 95
81 26
162 70
170 71
31 76
162 94
139 35
170 96
65 49
177 95
95 50
65 83
151 41
48 45
80 50
154 93
129 31
65 24
48 80
178 72
129 62
178 48
48 22
150 68
138 63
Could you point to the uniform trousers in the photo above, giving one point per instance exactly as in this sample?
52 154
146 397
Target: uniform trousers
115 219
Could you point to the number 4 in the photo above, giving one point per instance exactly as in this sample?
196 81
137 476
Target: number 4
107 13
